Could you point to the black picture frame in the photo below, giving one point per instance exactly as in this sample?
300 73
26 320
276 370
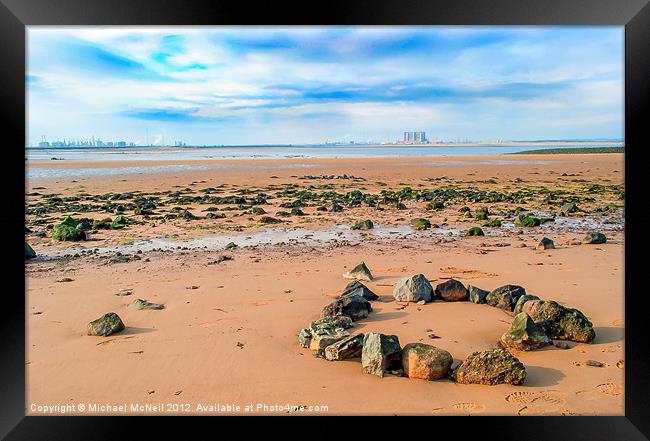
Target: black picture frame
15 15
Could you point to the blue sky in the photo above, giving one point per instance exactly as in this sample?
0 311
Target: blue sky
272 85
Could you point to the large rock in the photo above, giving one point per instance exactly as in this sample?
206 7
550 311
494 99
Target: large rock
452 291
108 324
349 347
29 252
354 306
477 295
324 337
490 367
524 334
413 289
560 322
426 362
358 288
505 297
380 353
359 272
594 238
520 302
333 325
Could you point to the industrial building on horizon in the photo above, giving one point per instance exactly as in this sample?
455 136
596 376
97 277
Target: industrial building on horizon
415 138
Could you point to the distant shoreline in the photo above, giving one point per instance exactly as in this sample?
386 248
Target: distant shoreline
469 144
576 150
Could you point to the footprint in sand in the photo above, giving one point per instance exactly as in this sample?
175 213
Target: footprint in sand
547 396
610 389
469 407
537 403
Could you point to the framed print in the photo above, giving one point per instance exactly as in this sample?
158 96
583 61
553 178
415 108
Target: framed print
408 209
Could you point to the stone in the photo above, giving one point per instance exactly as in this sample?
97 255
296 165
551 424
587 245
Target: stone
421 224
354 306
490 367
520 302
477 295
452 291
231 245
505 297
561 345
304 338
380 353
358 288
425 362
524 334
594 363
324 337
349 347
567 208
118 222
560 322
67 231
363 225
108 324
475 231
493 223
359 272
29 252
269 220
594 238
141 304
527 221
546 244
413 289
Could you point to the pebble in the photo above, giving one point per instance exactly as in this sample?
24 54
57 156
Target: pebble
594 363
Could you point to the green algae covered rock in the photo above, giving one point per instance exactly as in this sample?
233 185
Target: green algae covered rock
560 322
231 245
421 224
119 222
475 231
363 225
490 367
425 362
108 324
269 220
524 334
380 353
493 223
67 230
527 221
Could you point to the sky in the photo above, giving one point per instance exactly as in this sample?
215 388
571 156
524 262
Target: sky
293 85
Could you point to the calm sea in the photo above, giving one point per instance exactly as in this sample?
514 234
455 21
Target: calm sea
249 152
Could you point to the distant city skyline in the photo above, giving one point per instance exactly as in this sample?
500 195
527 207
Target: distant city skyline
288 85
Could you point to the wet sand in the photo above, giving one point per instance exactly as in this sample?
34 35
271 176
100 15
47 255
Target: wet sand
233 339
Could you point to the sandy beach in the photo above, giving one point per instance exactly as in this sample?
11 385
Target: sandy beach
228 334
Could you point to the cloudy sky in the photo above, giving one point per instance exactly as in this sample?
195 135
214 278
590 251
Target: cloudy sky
271 85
